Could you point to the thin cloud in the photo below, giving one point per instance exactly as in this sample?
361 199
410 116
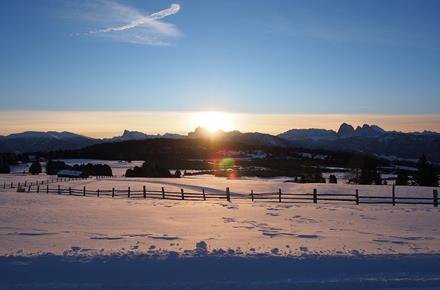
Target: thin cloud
128 24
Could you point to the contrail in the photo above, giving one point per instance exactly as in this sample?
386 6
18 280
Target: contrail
174 8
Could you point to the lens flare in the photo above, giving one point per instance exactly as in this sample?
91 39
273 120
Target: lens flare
226 168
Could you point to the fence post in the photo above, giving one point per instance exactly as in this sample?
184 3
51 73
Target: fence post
394 195
70 190
315 195
47 188
59 189
145 192
38 189
84 191
279 194
357 196
252 194
113 192
97 192
228 194
203 192
163 193
435 197
183 195
128 192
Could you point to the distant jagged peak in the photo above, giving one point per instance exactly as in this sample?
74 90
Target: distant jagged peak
137 135
133 134
377 129
345 130
369 131
202 132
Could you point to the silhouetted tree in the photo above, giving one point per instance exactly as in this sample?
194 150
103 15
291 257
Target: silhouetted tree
52 167
94 169
354 178
4 166
311 174
35 168
378 179
148 170
426 174
402 178
369 173
332 179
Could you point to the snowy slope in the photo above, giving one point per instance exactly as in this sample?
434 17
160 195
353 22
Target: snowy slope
165 244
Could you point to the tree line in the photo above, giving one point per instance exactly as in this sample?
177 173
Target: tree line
53 167
151 169
365 169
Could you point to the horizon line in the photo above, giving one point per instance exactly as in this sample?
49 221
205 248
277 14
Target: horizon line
105 124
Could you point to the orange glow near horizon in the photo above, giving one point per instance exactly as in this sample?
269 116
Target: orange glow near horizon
101 124
213 121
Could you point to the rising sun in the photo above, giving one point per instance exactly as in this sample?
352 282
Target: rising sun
213 121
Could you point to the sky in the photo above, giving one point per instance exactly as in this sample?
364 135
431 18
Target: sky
285 62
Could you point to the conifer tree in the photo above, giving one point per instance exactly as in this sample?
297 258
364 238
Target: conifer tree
402 178
35 168
4 166
426 174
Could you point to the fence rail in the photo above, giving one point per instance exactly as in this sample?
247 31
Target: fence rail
26 184
276 196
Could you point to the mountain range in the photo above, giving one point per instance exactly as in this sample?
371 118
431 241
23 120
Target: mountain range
368 139
345 131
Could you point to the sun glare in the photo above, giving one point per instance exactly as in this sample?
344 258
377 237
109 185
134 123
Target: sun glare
213 121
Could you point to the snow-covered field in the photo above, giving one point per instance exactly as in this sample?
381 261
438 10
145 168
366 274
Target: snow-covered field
59 241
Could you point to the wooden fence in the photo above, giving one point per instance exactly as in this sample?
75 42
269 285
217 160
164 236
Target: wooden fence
129 193
278 196
26 184
355 198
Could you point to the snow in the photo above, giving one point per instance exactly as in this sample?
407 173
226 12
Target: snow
165 244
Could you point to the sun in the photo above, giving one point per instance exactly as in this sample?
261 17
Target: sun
213 121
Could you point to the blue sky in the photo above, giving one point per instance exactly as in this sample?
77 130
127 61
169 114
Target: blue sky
276 57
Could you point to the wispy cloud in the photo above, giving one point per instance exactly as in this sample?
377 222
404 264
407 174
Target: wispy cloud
123 23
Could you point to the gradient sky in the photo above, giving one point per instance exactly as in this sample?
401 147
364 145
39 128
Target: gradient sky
254 57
